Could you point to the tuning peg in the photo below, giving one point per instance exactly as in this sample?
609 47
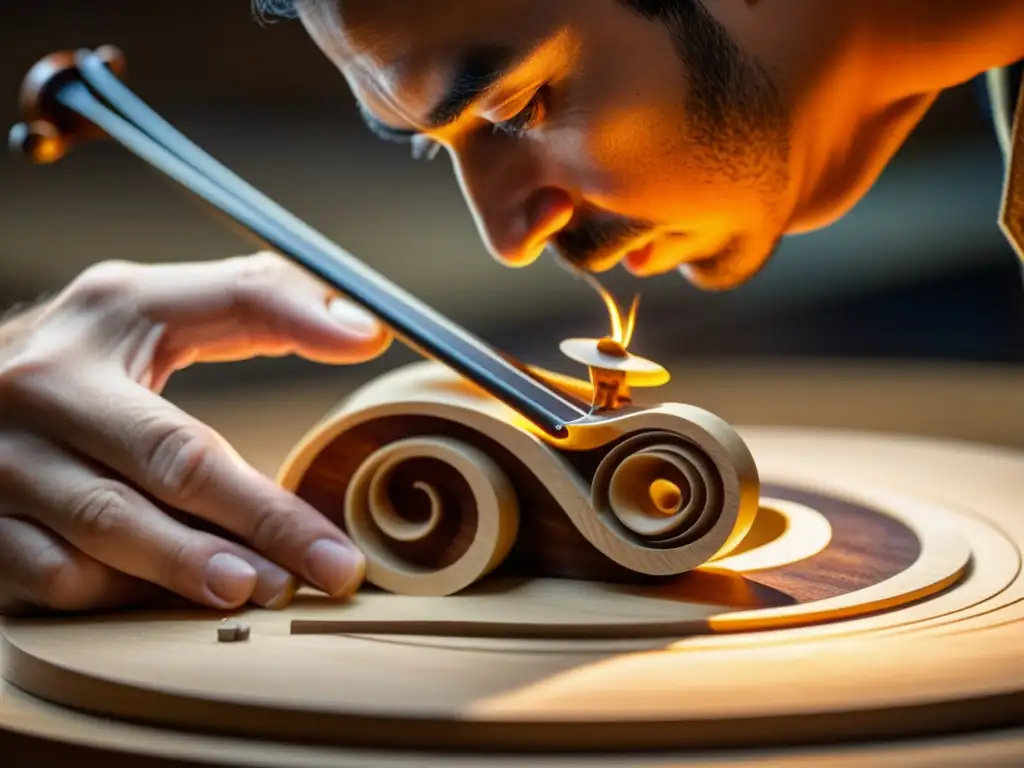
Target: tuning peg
39 141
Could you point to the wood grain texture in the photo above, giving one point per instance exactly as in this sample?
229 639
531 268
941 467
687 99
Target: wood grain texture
867 547
34 733
905 671
564 510
948 663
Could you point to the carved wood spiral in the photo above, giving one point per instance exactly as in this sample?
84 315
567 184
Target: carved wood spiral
432 515
440 486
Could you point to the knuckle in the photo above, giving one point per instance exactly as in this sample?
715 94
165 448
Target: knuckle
101 514
56 583
103 283
262 268
262 277
269 527
12 460
261 264
23 377
179 562
182 461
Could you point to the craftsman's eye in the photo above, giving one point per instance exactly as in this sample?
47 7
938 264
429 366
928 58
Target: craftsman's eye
528 117
424 148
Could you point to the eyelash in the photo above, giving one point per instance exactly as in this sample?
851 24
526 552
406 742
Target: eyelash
529 117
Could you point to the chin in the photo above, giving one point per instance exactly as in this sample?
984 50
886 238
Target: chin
731 267
823 217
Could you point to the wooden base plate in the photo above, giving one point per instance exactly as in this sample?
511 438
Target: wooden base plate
880 595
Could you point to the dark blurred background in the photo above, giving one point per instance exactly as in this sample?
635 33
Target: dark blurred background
918 271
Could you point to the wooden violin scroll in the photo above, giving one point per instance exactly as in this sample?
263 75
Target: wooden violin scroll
440 485
49 131
432 515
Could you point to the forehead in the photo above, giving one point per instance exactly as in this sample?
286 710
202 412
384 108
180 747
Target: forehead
399 56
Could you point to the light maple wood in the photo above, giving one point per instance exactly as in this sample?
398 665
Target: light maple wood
947 662
478 488
925 666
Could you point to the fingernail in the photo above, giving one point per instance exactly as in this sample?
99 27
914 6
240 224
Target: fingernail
354 318
283 597
230 578
275 593
336 569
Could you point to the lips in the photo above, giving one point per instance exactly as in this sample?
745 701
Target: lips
644 258
638 258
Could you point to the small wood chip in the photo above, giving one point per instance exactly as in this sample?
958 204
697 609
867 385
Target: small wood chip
232 632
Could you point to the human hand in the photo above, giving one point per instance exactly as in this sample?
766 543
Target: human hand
105 486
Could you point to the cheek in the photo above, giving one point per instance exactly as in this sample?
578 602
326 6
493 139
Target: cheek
625 111
624 138
642 162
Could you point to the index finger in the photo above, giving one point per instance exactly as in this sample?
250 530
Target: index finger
187 465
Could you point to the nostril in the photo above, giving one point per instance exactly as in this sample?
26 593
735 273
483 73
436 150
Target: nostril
548 211
518 238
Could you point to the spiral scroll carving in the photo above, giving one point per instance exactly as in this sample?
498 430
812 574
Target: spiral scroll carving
660 492
432 514
440 486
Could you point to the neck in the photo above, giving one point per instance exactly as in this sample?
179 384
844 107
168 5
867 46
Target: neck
925 46
896 56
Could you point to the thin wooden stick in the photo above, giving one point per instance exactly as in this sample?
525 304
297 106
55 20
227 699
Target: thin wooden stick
69 83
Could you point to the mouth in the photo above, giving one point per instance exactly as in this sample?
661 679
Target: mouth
712 261
636 259
711 264
658 255
633 257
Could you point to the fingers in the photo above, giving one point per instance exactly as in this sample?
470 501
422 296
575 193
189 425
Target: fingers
101 467
254 305
38 569
120 528
181 462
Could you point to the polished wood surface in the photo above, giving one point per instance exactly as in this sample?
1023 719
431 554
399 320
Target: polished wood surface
503 497
949 661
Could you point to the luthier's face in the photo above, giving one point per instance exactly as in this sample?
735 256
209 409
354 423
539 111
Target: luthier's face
641 132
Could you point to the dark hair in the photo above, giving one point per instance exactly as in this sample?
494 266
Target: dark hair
269 9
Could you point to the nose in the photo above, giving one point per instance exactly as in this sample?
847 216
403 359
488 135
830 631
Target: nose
515 201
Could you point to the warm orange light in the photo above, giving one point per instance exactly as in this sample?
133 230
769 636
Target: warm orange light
48 150
622 327
666 496
570 384
627 334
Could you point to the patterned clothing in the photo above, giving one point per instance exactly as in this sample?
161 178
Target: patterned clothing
1006 96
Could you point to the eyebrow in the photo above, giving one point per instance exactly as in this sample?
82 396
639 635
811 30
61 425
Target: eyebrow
478 71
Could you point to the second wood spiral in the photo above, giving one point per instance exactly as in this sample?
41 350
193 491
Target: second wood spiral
432 515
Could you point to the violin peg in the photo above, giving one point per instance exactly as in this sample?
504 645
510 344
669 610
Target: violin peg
609 354
613 369
48 130
39 141
114 59
37 87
